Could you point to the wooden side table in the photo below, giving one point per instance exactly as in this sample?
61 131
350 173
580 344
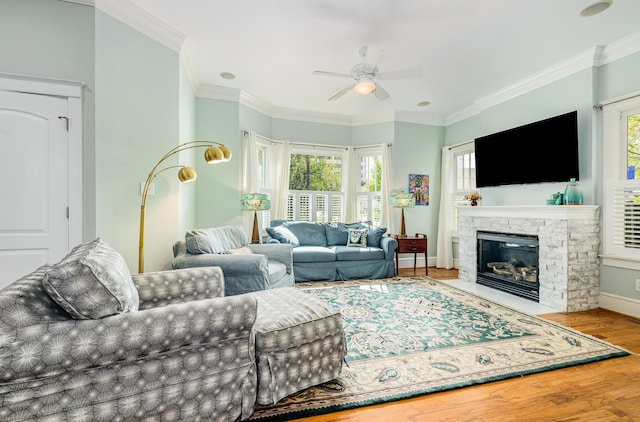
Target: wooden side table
412 244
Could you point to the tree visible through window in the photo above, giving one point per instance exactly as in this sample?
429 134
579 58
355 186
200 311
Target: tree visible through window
315 172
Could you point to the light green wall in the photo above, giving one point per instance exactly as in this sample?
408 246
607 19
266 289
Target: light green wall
187 214
417 149
137 122
219 186
372 134
310 132
53 39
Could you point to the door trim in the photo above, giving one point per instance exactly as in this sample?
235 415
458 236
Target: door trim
72 90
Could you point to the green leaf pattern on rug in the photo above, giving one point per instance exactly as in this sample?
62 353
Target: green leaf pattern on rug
407 319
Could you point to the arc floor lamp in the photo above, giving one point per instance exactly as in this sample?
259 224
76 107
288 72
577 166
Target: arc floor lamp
215 153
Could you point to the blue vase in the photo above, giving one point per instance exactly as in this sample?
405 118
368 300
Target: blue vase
573 193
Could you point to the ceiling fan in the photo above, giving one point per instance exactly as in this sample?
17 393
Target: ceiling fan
367 73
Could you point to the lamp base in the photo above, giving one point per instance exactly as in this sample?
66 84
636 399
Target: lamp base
255 236
403 228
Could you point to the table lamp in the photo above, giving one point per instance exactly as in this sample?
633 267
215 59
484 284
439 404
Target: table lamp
256 202
402 200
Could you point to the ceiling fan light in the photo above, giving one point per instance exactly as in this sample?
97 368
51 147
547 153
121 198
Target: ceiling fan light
364 86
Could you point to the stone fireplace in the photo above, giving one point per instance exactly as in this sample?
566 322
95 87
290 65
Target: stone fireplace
568 247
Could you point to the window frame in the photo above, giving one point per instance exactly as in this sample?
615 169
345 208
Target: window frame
615 182
458 194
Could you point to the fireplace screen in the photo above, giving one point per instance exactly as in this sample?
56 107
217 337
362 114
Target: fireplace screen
509 262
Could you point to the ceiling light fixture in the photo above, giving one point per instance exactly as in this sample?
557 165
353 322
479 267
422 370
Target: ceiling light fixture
423 103
227 75
364 86
595 8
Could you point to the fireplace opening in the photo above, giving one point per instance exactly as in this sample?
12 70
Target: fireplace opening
509 262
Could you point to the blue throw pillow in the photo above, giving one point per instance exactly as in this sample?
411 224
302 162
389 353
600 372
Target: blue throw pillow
374 236
283 235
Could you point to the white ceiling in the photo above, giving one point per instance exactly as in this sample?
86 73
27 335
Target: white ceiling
467 49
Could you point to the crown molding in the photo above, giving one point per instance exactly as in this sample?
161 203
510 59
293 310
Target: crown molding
216 92
142 21
82 2
619 49
419 118
311 116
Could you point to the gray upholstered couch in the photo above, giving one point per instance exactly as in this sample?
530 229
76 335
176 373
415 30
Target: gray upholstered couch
177 349
247 267
324 251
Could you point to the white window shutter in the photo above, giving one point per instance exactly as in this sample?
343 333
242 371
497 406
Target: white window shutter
622 218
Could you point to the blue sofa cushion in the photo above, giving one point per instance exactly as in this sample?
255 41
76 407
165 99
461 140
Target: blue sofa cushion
216 240
337 233
307 233
313 254
346 253
283 235
374 236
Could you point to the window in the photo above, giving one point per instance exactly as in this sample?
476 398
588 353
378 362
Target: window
369 189
315 185
465 178
621 173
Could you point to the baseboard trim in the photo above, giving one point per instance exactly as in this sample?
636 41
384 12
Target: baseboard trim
620 304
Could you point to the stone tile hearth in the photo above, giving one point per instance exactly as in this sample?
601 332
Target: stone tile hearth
569 242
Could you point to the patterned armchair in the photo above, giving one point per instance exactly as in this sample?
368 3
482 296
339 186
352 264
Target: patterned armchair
186 352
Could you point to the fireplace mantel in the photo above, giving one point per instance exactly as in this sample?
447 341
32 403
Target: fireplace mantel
551 212
568 244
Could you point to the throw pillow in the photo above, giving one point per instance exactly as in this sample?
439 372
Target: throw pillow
216 239
283 235
357 238
374 236
91 282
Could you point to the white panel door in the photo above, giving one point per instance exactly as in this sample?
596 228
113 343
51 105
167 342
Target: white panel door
34 185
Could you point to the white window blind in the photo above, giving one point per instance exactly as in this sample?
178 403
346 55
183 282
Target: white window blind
622 239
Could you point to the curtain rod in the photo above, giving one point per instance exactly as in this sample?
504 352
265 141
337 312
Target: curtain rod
461 144
616 100
246 132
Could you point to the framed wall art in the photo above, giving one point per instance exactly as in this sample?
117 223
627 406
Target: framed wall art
419 186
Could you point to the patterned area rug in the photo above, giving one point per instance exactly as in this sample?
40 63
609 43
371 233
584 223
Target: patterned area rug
411 336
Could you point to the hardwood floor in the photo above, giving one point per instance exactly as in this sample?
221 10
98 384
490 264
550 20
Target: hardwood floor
600 391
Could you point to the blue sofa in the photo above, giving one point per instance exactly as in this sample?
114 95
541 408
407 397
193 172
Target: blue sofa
320 250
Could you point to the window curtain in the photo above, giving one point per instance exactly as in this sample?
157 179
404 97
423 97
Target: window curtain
444 257
249 175
353 179
386 217
282 153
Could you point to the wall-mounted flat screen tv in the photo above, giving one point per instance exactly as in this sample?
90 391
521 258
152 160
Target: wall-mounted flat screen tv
540 152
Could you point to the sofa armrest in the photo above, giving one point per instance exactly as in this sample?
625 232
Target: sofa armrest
281 252
55 347
389 246
164 288
231 264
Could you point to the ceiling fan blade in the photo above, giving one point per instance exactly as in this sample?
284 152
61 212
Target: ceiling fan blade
371 58
323 73
381 93
341 93
415 72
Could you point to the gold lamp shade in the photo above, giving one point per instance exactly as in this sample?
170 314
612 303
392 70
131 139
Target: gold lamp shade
226 153
213 155
187 174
